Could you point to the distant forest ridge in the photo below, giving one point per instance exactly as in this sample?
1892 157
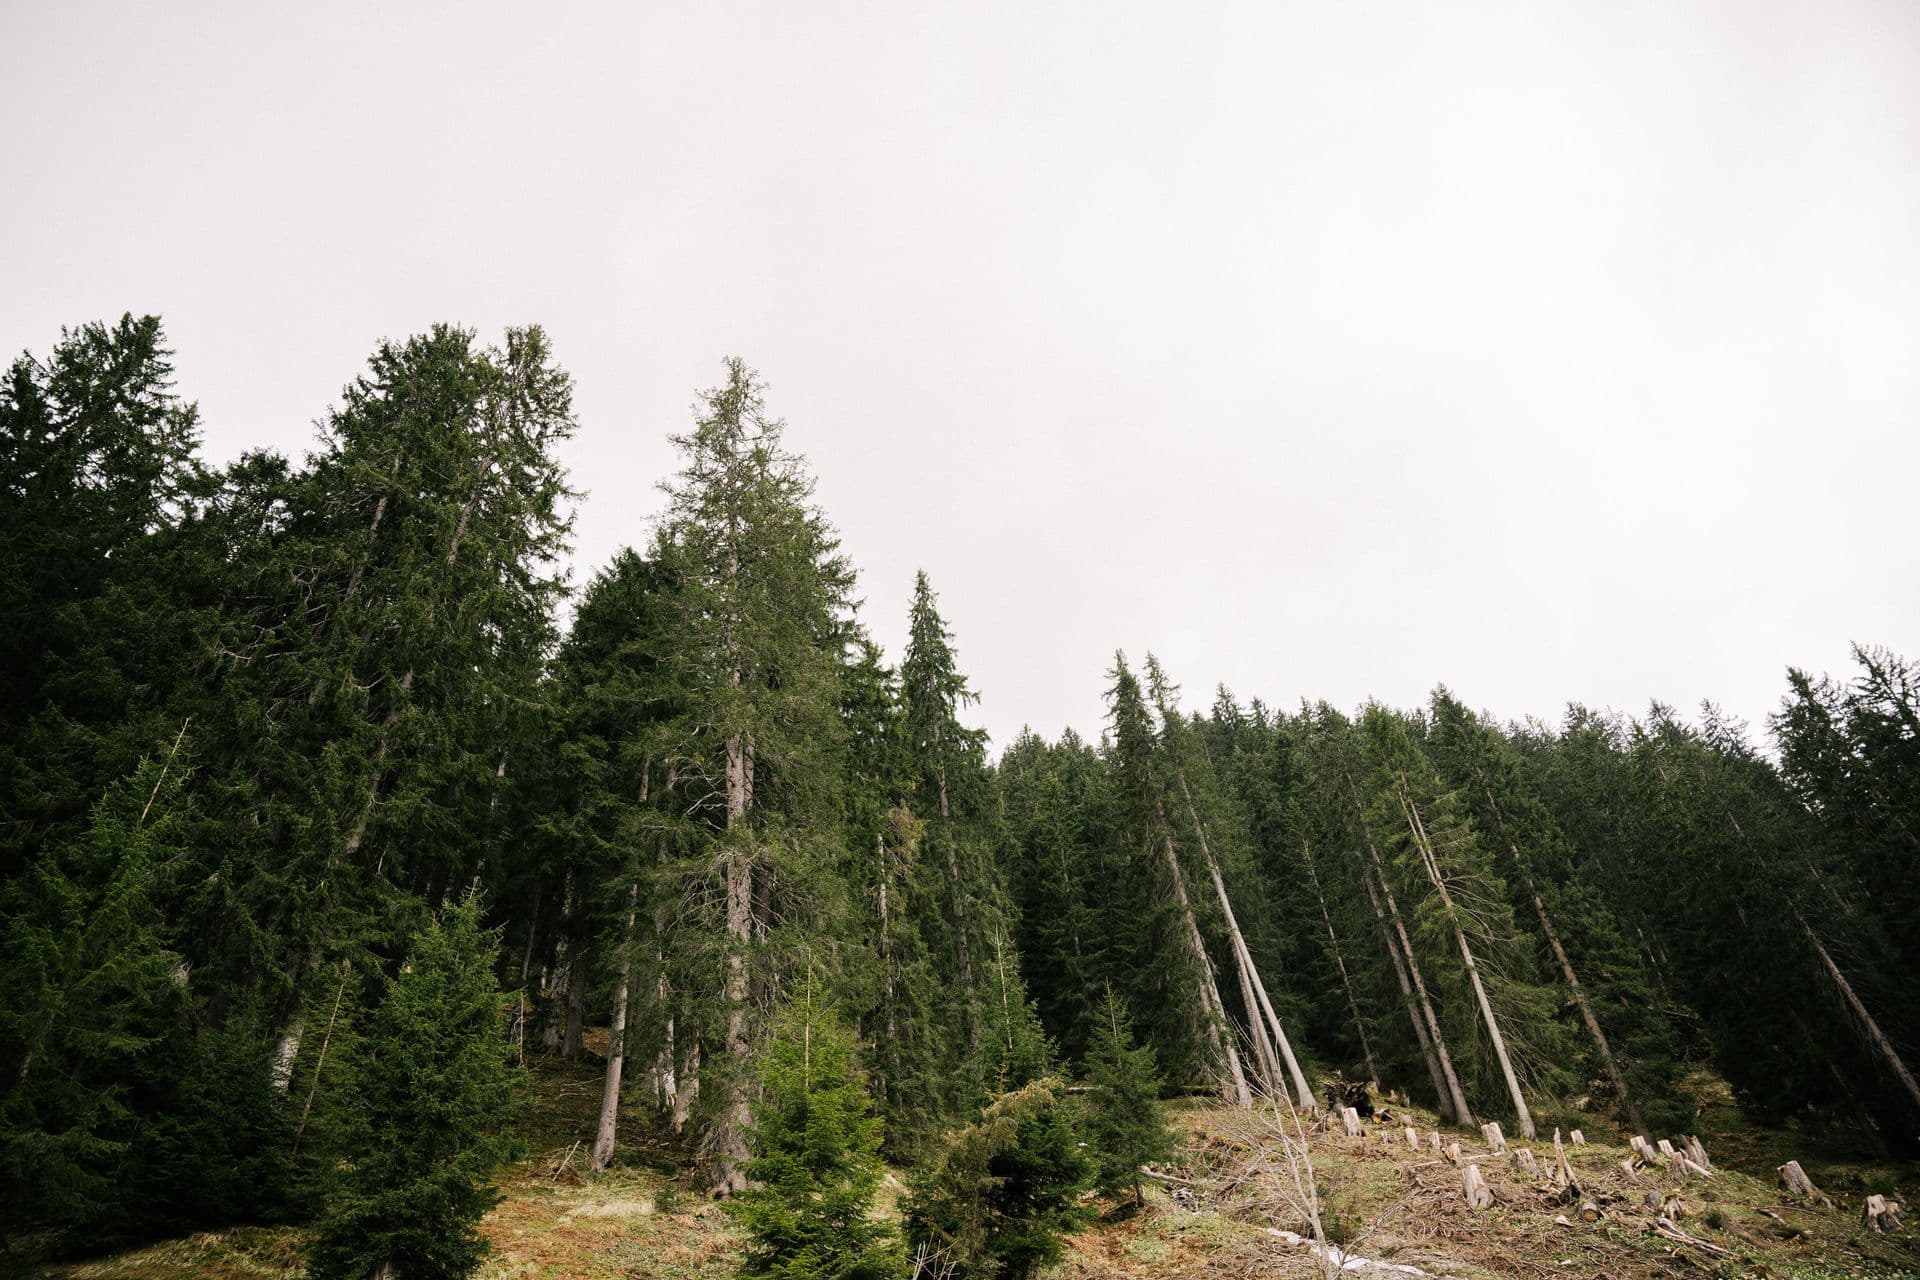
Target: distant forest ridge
272 727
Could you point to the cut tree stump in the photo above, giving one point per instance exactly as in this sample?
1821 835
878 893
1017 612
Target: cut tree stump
1666 1149
1351 1119
1413 1137
1522 1159
1453 1152
1577 1138
1433 1139
1589 1212
1799 1186
1496 1141
1562 1172
1474 1187
1881 1213
1627 1167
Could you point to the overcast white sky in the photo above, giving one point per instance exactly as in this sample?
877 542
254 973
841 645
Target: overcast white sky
1553 351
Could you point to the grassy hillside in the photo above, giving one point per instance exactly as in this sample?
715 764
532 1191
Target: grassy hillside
1230 1196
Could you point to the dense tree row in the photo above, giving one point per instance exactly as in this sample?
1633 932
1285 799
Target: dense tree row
309 797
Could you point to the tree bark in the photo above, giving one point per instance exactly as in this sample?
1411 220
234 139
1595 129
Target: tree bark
1462 1113
1340 963
1585 1006
1213 1011
1522 1116
603 1139
1252 989
1443 1099
729 1140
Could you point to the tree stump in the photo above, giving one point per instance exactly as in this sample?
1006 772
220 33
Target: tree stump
1627 1167
1799 1186
1351 1119
1881 1213
1589 1212
1562 1171
1666 1149
1413 1137
1577 1138
1698 1154
1453 1152
1496 1141
1433 1139
1474 1187
1522 1160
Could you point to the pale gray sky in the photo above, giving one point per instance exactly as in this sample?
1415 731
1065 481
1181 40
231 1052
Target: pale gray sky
1556 351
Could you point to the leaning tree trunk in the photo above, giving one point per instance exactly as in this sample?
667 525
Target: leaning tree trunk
616 1045
1252 989
1522 1116
1462 1112
1346 980
1444 1097
1585 1006
1871 1028
1213 1012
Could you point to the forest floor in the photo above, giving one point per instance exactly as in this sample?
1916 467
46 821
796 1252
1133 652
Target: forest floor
1231 1198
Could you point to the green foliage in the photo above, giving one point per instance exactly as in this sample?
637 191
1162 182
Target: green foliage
815 1157
420 1129
1000 1193
1125 1125
91 989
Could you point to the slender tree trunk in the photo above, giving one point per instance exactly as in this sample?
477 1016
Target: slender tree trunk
320 1061
1213 1012
1522 1116
616 1045
1255 991
729 1140
1585 1006
573 1040
1859 1010
1462 1113
1443 1097
963 953
1868 1025
1340 963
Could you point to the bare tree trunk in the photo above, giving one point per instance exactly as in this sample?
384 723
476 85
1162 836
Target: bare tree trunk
688 1093
1462 1113
963 951
729 1138
1440 1092
1253 989
1522 1116
1213 1012
1340 963
1868 1025
1859 1010
616 1045
1587 1018
573 1039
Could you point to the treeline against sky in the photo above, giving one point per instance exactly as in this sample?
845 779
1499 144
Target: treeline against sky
269 725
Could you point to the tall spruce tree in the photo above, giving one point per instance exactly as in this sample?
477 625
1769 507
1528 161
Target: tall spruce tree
757 650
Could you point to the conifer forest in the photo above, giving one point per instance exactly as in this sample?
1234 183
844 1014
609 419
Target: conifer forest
346 839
